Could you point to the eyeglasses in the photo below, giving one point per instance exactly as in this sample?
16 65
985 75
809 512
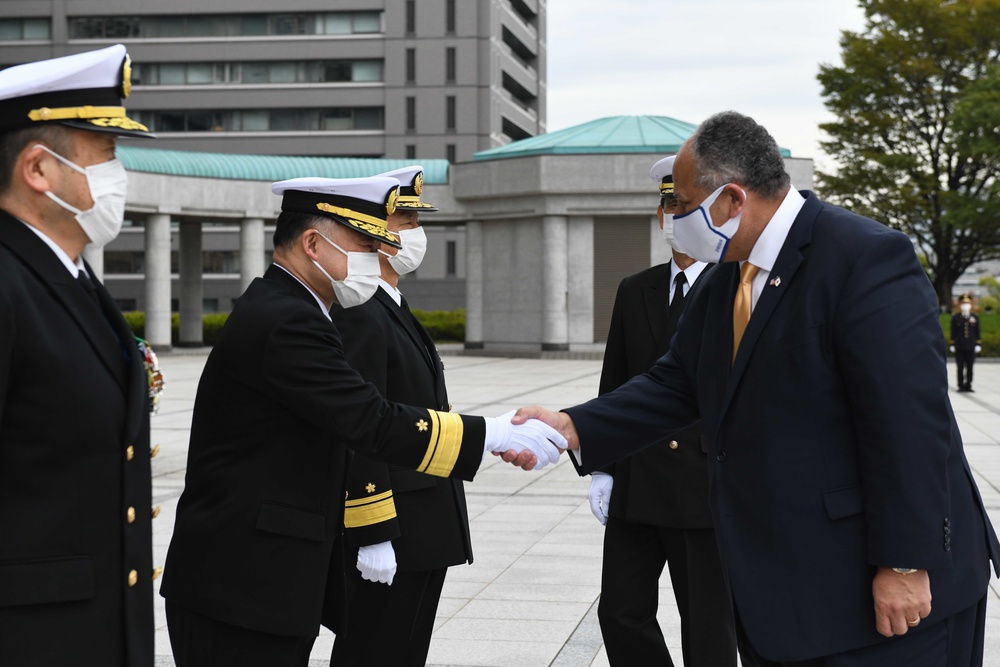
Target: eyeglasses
668 202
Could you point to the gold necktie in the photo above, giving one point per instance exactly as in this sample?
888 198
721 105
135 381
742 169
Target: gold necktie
741 306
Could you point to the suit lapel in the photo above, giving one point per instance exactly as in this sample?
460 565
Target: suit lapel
785 267
656 300
41 261
404 318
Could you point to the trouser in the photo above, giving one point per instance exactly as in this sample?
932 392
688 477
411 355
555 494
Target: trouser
964 360
956 641
200 641
634 556
389 625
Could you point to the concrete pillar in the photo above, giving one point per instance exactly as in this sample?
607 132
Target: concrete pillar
555 283
581 279
190 284
158 281
95 257
251 251
474 261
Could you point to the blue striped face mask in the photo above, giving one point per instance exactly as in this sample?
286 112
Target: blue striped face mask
697 237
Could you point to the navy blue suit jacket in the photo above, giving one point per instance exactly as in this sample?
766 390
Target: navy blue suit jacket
832 445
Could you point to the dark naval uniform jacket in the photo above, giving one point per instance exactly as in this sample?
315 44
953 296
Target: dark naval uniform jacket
665 484
75 534
425 517
831 453
278 408
965 331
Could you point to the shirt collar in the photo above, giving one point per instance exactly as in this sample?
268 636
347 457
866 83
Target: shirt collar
765 251
322 306
74 268
394 292
691 273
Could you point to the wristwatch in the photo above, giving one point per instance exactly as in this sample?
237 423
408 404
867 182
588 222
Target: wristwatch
904 570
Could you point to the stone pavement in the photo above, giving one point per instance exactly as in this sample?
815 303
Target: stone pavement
530 598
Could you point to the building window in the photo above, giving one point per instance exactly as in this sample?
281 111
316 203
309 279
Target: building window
24 29
209 305
125 304
230 25
451 259
411 152
265 120
449 112
449 16
220 261
449 153
320 71
411 17
449 64
411 114
124 262
411 65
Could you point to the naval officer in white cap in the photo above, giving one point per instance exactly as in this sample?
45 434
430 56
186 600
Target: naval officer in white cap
397 519
76 564
256 559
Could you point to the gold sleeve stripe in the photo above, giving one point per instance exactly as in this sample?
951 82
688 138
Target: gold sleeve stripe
368 499
445 444
356 516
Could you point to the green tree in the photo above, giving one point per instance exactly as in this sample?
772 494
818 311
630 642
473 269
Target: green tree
917 135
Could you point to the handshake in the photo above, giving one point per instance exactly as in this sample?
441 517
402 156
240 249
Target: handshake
530 445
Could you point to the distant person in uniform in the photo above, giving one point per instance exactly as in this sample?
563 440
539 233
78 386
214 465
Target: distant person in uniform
406 527
654 504
76 570
256 559
965 341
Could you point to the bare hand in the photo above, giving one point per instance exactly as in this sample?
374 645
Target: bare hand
901 600
524 460
560 421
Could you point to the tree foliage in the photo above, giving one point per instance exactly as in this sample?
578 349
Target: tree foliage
917 135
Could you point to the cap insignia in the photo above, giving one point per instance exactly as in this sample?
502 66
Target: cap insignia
390 204
418 183
126 76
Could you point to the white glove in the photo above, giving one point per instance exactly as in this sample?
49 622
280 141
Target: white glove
533 435
377 562
951 349
600 495
979 348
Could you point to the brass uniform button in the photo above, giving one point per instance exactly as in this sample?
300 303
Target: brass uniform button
154 451
674 444
129 453
157 571
130 515
133 578
156 512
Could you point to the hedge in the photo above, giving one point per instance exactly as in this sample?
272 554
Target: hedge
989 331
444 326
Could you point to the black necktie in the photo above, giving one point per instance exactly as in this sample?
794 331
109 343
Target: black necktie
677 302
89 288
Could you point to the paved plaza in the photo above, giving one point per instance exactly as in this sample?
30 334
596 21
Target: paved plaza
530 598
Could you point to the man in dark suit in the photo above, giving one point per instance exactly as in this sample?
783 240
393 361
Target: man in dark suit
255 562
841 496
965 341
75 535
658 510
395 516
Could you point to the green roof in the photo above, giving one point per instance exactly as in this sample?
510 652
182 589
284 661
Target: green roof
616 134
265 167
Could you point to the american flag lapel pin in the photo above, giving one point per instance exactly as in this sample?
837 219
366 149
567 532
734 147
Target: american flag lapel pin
775 282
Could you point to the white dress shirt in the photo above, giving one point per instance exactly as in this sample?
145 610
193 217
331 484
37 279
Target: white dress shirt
74 268
691 274
765 251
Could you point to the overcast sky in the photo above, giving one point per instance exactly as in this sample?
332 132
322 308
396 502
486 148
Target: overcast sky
690 59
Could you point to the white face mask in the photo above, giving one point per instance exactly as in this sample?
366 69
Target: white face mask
362 277
108 185
966 308
668 231
408 258
697 237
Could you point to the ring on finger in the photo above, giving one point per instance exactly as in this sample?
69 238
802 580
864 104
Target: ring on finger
914 622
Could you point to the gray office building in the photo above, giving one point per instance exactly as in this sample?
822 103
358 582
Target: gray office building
408 79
